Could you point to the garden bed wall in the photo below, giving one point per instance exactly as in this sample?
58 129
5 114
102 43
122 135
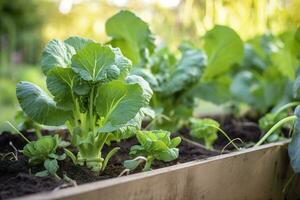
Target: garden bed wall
256 173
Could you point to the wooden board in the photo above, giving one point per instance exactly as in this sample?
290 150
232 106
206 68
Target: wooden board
256 173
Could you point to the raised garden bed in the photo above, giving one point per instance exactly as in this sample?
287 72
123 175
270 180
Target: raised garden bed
255 173
114 109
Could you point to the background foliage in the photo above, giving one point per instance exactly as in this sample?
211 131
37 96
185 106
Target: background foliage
25 27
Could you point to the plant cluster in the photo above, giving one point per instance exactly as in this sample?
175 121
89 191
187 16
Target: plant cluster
93 95
154 145
103 92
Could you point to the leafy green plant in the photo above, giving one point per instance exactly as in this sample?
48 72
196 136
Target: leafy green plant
294 145
270 119
154 145
177 81
93 95
204 129
264 79
44 150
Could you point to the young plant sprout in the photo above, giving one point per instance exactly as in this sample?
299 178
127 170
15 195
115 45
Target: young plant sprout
43 151
206 130
294 145
154 145
93 95
270 119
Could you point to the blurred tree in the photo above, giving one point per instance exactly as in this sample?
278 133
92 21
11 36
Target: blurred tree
20 33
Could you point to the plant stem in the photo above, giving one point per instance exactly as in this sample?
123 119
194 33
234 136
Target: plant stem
148 163
91 109
15 129
282 108
274 128
225 134
38 131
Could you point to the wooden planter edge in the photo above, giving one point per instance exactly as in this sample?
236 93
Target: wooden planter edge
85 189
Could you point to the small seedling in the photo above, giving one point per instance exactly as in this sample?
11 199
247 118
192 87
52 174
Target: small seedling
44 150
154 145
207 129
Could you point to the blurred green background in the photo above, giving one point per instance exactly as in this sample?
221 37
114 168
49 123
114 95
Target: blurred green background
27 25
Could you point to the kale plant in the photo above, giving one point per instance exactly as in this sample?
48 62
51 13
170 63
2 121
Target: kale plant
44 150
294 145
154 145
91 93
177 81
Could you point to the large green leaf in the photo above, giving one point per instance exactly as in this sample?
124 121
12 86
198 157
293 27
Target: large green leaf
147 91
98 63
243 86
130 34
78 42
117 103
216 91
39 106
144 111
60 84
294 145
56 54
188 70
224 48
286 58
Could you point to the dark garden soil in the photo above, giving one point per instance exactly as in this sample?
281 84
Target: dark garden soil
17 177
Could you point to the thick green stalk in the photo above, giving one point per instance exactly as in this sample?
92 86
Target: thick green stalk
282 108
91 109
274 128
148 163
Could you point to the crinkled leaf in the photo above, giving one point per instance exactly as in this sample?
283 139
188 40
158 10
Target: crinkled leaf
56 54
51 165
201 128
98 63
39 150
205 129
188 70
95 63
60 83
168 155
224 48
175 142
118 102
130 34
39 106
294 145
147 91
148 76
78 42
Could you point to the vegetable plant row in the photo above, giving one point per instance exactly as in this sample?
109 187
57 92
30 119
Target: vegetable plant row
130 87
